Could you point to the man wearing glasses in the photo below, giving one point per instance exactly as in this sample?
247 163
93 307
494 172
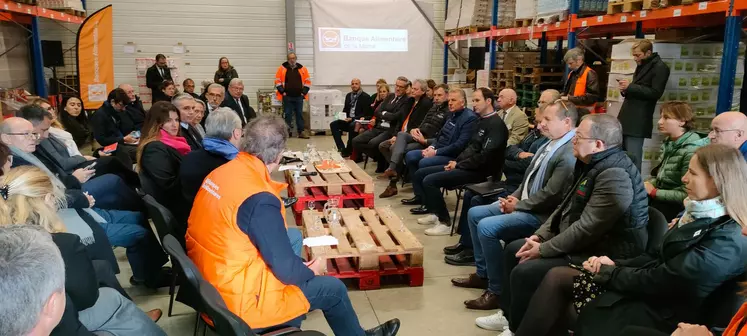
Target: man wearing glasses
603 212
730 129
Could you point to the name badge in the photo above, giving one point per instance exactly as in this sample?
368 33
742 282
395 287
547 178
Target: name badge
385 124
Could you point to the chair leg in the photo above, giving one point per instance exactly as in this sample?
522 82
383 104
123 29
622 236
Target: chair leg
456 211
365 161
172 292
197 324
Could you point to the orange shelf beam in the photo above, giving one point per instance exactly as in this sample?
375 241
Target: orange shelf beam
659 15
28 10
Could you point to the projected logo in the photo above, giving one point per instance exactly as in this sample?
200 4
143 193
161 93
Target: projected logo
329 38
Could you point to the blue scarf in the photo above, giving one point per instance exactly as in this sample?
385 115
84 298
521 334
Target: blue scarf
221 147
538 180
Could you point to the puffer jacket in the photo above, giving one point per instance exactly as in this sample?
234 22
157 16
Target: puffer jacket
676 157
434 120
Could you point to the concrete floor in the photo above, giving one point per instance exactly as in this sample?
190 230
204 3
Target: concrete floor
434 309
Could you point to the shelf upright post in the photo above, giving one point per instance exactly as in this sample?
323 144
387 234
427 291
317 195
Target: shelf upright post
572 13
729 60
446 46
639 30
543 48
37 66
559 50
492 40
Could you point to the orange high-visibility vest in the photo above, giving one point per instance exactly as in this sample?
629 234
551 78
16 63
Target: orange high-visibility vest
580 89
280 80
732 329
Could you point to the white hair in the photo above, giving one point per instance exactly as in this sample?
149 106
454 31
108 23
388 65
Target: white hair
236 81
221 122
177 101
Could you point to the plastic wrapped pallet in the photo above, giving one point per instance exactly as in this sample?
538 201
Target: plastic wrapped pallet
526 9
507 12
476 13
452 17
550 7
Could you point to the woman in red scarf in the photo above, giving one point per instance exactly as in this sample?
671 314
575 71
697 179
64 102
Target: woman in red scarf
159 158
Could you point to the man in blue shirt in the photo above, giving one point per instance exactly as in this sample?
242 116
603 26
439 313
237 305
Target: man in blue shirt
730 129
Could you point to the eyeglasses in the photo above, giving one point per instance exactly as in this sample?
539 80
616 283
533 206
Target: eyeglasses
32 136
578 137
719 131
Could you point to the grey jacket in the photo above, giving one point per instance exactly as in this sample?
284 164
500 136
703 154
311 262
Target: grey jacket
559 171
58 152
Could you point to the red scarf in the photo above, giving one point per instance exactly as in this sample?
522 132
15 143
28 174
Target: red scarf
175 142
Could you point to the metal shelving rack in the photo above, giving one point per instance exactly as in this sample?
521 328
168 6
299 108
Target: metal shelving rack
728 13
28 15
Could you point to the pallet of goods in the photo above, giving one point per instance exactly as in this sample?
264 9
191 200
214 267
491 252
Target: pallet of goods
334 178
551 8
694 78
525 13
325 106
470 16
373 245
627 6
72 7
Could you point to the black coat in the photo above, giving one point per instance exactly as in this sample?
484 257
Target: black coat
363 106
249 113
159 176
77 126
153 78
637 111
194 168
134 117
227 76
107 125
417 115
434 120
193 137
392 112
81 285
659 290
486 149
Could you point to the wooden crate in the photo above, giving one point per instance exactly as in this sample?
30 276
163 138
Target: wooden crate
471 29
523 23
373 243
331 184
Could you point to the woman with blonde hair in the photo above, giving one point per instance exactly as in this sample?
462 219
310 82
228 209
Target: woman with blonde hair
29 196
668 284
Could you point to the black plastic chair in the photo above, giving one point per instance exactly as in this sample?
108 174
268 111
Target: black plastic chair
723 303
225 323
164 222
657 226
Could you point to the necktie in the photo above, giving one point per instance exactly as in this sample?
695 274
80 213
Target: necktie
404 125
160 71
241 113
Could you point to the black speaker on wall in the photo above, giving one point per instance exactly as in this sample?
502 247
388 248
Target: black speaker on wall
477 58
52 53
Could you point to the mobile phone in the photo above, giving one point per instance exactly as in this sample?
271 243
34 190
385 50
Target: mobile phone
90 166
618 80
111 148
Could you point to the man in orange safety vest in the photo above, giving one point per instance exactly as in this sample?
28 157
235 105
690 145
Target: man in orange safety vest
581 86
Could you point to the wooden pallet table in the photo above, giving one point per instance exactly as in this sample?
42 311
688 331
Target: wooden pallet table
354 189
373 244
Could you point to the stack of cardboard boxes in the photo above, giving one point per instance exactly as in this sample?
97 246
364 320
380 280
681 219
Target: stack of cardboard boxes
325 106
479 13
694 78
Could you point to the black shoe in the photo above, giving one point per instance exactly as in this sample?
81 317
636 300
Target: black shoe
421 210
453 249
412 201
162 280
389 328
464 258
289 201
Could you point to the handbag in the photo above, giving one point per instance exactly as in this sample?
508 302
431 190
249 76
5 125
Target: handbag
584 288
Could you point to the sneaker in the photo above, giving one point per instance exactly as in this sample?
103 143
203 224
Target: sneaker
506 332
428 220
496 322
440 229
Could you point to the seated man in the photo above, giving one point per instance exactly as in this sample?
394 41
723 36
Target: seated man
134 117
482 158
107 125
409 121
238 208
450 141
517 161
389 113
604 212
730 129
186 106
357 107
520 214
213 97
515 119
238 101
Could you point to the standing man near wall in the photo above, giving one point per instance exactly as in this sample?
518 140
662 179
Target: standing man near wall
293 83
582 84
157 74
637 111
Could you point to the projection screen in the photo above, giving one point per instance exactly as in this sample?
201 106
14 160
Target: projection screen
370 39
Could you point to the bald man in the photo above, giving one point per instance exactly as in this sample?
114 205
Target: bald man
730 129
516 120
134 117
357 107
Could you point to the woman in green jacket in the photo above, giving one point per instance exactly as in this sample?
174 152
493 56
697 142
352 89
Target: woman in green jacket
666 190
225 72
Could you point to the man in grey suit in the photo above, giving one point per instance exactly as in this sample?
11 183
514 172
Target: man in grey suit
521 213
516 120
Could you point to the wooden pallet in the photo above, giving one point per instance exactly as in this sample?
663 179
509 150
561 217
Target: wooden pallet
503 74
523 23
538 78
373 243
668 3
472 29
331 184
625 6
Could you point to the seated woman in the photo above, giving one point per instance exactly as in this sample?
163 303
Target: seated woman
160 157
166 91
74 120
28 195
197 121
666 190
703 249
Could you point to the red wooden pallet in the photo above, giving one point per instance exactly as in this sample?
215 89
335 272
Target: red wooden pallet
374 245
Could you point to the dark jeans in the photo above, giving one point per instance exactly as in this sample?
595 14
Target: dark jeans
339 126
113 165
368 142
329 295
634 146
520 281
128 229
111 192
471 200
415 160
427 183
293 106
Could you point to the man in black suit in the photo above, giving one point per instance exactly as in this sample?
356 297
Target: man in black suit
388 115
188 85
238 101
157 74
357 107
186 106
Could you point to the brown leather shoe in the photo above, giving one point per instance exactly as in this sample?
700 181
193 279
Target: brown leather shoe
388 173
486 301
473 281
389 192
154 314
